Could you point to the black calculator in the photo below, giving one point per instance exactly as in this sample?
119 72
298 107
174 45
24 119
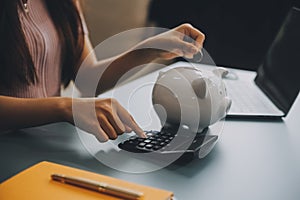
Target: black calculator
168 141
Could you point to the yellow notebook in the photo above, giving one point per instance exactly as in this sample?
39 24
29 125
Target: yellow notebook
35 183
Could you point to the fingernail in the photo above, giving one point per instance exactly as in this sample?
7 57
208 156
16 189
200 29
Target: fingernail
143 135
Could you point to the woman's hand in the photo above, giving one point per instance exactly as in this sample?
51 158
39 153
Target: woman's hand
182 41
104 118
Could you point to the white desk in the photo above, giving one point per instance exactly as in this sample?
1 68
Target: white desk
253 160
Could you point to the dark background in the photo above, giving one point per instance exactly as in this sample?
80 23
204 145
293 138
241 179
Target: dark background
238 33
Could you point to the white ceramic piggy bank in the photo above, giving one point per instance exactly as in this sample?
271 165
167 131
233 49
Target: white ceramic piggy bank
191 97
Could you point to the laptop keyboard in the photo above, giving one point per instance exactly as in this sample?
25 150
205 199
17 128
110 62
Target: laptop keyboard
247 99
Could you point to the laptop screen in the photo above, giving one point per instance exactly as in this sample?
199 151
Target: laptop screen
279 75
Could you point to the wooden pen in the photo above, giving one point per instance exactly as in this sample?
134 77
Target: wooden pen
101 187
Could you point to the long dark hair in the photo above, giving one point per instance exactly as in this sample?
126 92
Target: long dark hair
16 64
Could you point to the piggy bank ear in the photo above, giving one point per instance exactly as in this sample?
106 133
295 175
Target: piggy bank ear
221 72
160 74
199 87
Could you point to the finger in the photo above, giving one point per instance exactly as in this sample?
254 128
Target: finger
199 55
198 36
189 56
127 129
115 121
130 122
195 34
100 135
108 128
188 49
136 128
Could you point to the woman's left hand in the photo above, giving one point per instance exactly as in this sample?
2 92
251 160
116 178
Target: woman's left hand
182 41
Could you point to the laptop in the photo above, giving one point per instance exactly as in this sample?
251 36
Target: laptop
272 89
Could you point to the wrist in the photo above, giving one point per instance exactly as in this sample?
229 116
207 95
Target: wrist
65 109
146 49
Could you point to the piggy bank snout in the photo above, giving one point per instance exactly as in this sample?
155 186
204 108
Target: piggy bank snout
228 103
224 108
221 72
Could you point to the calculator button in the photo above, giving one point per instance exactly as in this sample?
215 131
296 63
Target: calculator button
149 146
142 144
164 136
149 134
147 141
154 142
156 147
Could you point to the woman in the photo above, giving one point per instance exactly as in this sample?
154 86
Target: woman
43 43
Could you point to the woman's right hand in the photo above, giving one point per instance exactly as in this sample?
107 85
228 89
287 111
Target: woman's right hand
184 40
104 118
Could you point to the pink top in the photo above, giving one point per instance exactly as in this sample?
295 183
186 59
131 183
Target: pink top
44 46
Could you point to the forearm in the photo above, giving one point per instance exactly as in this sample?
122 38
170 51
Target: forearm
16 113
97 77
120 66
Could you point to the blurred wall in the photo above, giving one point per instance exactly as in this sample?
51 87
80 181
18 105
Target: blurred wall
106 18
